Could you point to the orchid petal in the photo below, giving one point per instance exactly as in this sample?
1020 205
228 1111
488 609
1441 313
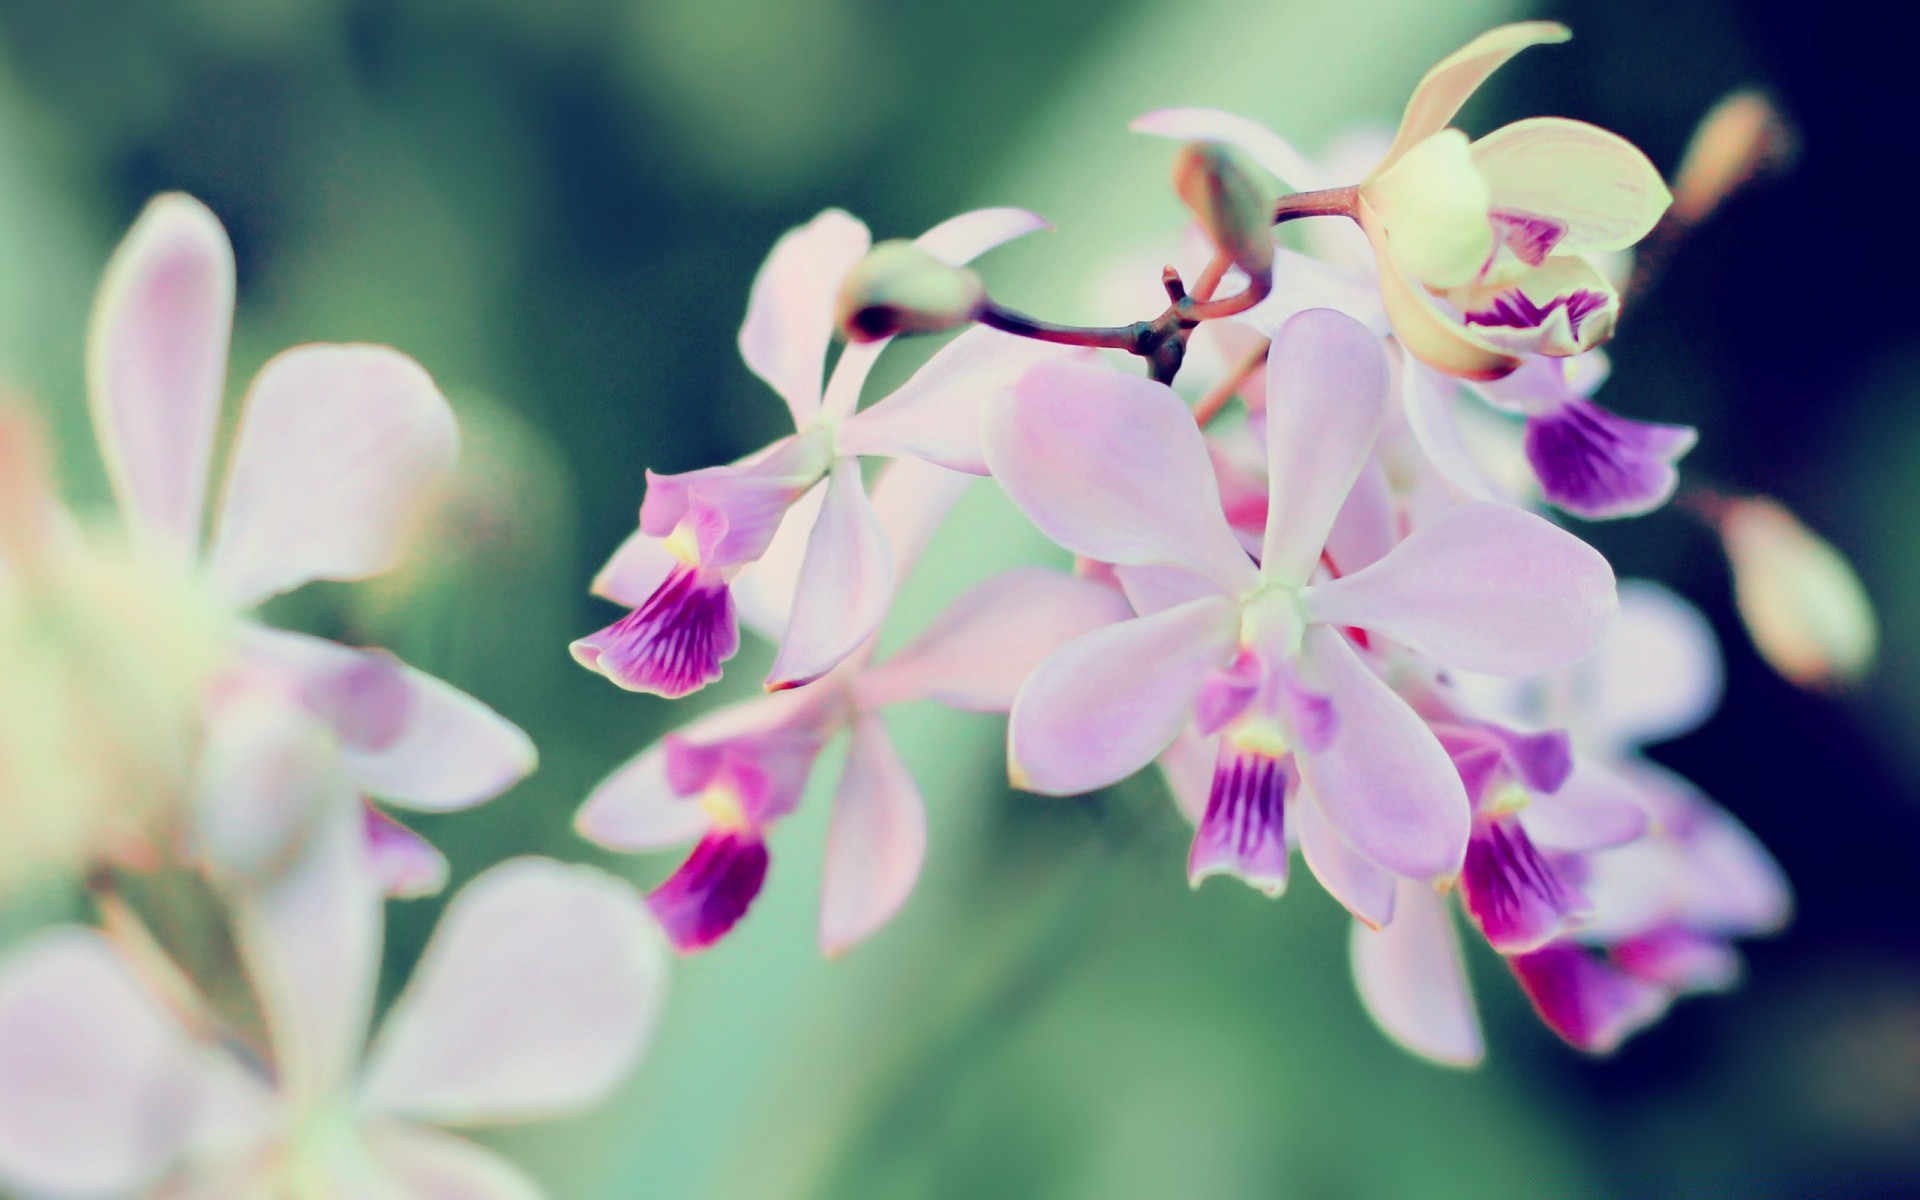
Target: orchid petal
1363 889
1514 893
1112 466
408 865
1448 84
1429 398
977 653
1384 783
1596 184
1301 283
1657 676
268 771
763 591
845 584
708 893
1590 1003
1595 809
789 323
734 510
425 1164
97 1087
157 365
1187 765
1481 587
339 450
1599 465
1327 389
637 569
405 736
1103 705
1413 982
1259 143
1433 204
534 998
1562 307
936 414
877 842
1430 335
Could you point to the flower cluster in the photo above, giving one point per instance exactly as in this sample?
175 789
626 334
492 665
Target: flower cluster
1343 621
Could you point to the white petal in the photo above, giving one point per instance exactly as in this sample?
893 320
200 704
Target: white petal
1413 983
157 364
789 323
339 450
1656 676
97 1087
534 998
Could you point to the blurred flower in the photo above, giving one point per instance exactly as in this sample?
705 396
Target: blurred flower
1113 468
1798 596
534 999
728 777
697 529
338 449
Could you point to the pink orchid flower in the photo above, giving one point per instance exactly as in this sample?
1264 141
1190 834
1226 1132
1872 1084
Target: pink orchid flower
1498 227
1112 467
1661 908
534 999
338 448
727 778
698 529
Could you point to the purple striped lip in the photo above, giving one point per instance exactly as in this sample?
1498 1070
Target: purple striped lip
1587 1001
699 903
1530 237
674 643
1596 464
1244 830
1514 894
1514 309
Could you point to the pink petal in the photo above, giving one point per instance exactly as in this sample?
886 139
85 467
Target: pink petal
1515 894
1590 1003
1429 399
845 585
1258 142
672 645
1445 87
1384 783
1365 890
1658 674
708 894
977 653
1301 283
157 364
1413 982
1111 466
340 449
733 511
1243 830
1187 765
425 1164
1481 587
789 323
763 590
97 1083
1103 705
1327 389
936 415
1593 810
405 736
637 569
408 865
877 842
1368 525
535 998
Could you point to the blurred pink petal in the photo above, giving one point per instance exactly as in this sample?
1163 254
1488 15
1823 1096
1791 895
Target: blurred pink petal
706 896
789 323
1594 809
1261 144
1481 587
407 865
339 449
1187 764
877 842
97 1086
425 1164
936 415
535 998
1590 1003
977 653
638 567
1413 982
1105 704
1657 676
268 772
1327 389
1112 466
845 584
1363 889
405 736
157 365
1384 783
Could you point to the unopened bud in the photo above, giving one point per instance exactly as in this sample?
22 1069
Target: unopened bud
1798 597
1230 205
1741 138
900 288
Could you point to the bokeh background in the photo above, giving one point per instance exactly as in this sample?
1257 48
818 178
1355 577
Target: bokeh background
558 208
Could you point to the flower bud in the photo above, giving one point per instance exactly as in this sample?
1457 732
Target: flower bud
1799 598
1741 137
1230 205
900 288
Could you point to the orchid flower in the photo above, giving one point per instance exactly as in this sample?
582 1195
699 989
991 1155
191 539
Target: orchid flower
1112 467
698 529
1497 226
728 777
534 999
1667 878
337 450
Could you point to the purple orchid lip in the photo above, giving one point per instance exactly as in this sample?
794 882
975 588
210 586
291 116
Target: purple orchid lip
1244 830
1514 309
706 897
1512 892
1596 464
1588 1002
1530 237
674 643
